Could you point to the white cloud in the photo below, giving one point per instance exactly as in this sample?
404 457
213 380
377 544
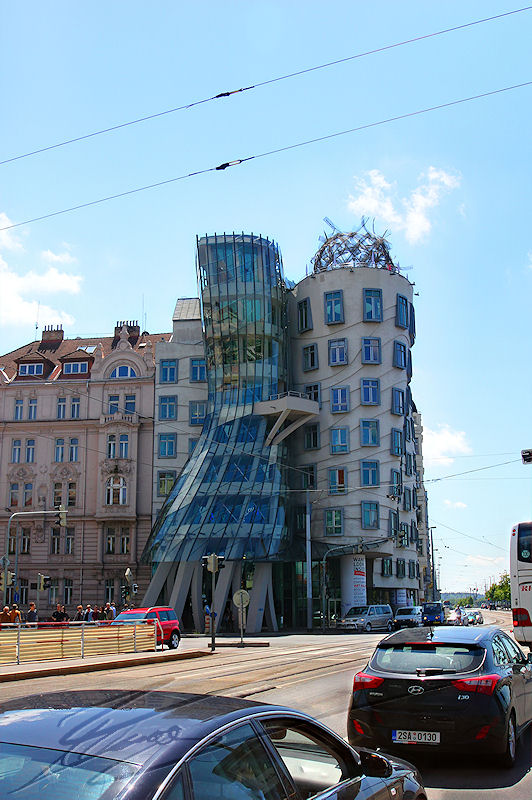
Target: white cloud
454 504
58 258
19 300
376 198
8 240
444 443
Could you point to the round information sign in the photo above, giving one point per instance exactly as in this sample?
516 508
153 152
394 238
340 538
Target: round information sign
241 598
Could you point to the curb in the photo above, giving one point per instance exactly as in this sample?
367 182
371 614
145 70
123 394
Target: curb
95 666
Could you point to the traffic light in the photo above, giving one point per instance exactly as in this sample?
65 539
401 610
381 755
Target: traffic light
10 576
44 582
213 562
124 592
221 562
61 518
2 584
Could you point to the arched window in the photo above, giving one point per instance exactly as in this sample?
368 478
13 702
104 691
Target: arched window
116 491
123 371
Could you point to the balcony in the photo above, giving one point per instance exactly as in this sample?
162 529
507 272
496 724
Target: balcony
292 408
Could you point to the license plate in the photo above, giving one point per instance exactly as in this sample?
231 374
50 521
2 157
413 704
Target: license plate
416 737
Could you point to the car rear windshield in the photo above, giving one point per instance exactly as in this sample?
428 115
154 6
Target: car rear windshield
28 772
419 657
127 616
432 608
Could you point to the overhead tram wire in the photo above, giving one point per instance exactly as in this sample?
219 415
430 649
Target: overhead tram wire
259 84
469 471
238 161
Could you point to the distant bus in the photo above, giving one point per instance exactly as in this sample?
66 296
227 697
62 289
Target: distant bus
521 581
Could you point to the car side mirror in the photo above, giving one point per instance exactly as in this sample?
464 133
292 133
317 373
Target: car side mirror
375 765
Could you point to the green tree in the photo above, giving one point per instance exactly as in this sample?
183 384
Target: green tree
500 592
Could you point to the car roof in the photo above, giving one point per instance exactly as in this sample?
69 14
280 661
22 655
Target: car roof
146 608
445 634
155 728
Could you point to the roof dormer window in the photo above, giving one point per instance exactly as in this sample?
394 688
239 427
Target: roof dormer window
75 368
123 371
30 369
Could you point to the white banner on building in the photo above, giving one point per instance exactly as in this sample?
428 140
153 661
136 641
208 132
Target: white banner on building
400 597
359 581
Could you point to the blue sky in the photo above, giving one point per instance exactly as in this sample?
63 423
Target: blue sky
452 187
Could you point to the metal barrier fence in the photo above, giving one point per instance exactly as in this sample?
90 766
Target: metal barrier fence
50 641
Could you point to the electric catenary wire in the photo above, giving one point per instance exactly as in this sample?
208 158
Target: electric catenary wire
268 82
238 161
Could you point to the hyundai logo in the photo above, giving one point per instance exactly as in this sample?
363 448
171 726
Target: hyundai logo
415 690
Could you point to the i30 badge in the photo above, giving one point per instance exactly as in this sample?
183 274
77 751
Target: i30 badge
415 690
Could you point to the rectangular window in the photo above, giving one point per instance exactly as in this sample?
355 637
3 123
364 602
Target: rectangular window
408 464
32 408
168 371
407 499
333 522
13 495
197 411
370 515
109 590
19 410
113 404
192 445
337 352
75 368
75 405
30 369
130 403
386 567
25 541
401 568
167 445
165 481
411 569
395 483
61 407
111 445
59 450
16 446
339 440
398 401
370 392
310 357
58 494
308 476
198 370
369 473
313 392
304 317
371 351
399 355
401 312
340 399
11 544
337 481
30 451
73 450
67 591
124 541
28 494
393 524
396 442
53 592
372 305
123 445
311 437
69 541
168 407
369 433
110 541
72 490
55 541
24 591
403 534
334 307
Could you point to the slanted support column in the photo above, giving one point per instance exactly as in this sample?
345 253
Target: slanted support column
183 578
261 600
223 584
157 582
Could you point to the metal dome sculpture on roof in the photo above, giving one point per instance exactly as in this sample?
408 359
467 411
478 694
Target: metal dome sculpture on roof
359 248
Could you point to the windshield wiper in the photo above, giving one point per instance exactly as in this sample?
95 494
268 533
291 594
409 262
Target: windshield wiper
434 671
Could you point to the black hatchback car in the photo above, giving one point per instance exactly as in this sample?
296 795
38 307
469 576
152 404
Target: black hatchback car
112 745
448 689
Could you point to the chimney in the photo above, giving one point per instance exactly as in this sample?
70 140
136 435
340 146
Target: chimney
133 331
51 335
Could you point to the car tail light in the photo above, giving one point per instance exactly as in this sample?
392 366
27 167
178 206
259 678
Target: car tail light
484 684
357 726
483 732
521 618
364 681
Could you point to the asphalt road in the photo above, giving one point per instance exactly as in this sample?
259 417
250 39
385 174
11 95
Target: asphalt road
313 673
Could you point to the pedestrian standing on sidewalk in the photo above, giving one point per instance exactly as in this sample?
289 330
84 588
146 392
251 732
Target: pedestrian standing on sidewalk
32 616
79 616
113 609
87 616
108 612
5 616
16 616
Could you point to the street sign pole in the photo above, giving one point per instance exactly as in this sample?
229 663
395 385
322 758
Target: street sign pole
241 601
213 615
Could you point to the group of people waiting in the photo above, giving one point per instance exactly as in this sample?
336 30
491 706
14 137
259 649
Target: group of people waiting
15 616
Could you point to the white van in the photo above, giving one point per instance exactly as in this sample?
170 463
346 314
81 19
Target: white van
367 618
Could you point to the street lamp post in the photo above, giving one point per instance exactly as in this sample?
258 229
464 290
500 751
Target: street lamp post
433 570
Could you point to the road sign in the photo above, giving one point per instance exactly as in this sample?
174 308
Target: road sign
16 597
241 598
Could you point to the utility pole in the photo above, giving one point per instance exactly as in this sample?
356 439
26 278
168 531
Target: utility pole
308 544
432 565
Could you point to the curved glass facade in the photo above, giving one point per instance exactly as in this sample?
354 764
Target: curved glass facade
232 496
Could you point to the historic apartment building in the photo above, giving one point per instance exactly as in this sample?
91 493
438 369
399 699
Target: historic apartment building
308 429
76 421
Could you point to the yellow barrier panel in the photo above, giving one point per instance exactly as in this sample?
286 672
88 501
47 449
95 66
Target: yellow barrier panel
73 641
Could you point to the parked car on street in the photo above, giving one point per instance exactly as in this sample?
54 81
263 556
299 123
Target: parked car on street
408 617
367 618
448 689
110 744
166 622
